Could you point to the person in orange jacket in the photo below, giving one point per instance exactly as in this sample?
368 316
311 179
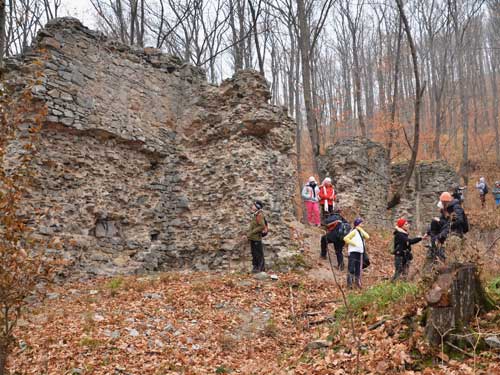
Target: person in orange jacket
327 197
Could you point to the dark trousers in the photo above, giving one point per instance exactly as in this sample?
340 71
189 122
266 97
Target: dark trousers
338 245
401 265
257 256
354 269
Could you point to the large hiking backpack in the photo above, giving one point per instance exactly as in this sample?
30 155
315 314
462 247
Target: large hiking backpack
265 231
343 229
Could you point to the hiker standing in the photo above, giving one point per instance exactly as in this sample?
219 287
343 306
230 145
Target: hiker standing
336 229
254 235
483 190
496 194
356 247
402 248
327 197
310 194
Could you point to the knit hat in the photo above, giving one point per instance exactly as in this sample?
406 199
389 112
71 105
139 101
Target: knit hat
327 180
401 222
357 221
312 179
445 197
258 205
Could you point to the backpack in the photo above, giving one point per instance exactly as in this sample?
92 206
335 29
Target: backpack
485 190
344 228
265 231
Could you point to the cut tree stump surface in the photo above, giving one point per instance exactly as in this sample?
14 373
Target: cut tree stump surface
453 300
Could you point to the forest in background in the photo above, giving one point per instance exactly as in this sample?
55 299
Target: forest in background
342 68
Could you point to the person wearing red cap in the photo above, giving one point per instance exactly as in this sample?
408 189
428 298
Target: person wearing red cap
402 248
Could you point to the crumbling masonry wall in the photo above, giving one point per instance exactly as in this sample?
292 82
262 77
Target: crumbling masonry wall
143 165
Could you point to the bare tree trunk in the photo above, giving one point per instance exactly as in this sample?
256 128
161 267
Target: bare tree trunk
255 16
418 98
353 27
304 42
2 31
291 91
395 91
3 357
495 109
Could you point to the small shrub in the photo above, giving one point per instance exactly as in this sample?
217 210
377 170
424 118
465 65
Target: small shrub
494 288
114 285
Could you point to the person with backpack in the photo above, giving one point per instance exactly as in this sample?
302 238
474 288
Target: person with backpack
327 197
454 215
402 249
496 194
310 194
483 190
257 229
336 229
356 247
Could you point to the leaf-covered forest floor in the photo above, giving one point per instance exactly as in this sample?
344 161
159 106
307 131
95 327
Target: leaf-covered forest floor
218 323
206 323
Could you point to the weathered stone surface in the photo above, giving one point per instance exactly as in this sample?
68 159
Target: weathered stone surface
360 172
142 165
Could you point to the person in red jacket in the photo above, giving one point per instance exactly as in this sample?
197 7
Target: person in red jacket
327 197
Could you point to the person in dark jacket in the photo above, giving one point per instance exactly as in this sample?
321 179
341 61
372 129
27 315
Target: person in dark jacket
458 192
334 226
254 235
435 232
454 214
402 248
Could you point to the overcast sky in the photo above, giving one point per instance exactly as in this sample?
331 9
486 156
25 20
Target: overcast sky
81 9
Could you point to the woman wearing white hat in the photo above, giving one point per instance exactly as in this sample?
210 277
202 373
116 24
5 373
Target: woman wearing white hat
310 194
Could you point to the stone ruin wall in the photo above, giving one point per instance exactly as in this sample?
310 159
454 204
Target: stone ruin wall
360 171
143 165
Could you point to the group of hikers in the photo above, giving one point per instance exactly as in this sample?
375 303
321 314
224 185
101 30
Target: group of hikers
483 189
451 222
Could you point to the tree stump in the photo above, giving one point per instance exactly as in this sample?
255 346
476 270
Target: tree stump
454 298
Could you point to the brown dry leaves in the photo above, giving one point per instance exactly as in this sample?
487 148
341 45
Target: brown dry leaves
185 323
